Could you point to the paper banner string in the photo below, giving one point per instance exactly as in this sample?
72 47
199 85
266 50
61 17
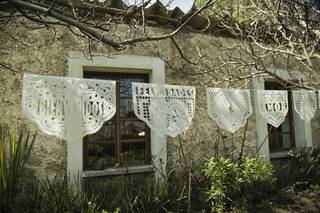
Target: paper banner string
71 108
166 109
230 108
66 107
305 103
273 105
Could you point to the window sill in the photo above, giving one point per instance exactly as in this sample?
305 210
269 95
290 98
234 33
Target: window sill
119 171
280 154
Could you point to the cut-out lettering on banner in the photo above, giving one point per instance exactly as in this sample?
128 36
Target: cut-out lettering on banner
68 108
166 109
273 105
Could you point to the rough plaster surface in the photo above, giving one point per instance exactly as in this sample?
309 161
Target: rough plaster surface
44 51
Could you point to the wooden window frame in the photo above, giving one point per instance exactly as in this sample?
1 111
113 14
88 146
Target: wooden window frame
118 119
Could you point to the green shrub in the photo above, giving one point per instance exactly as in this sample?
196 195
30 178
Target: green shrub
257 179
108 191
223 179
229 182
139 194
57 196
154 197
303 167
14 153
115 211
256 169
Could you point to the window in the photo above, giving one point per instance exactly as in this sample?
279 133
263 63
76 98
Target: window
293 132
124 140
126 67
281 138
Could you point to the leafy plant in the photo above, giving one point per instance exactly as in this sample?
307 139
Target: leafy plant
14 153
155 197
223 180
58 196
257 178
303 167
115 211
139 194
30 198
228 182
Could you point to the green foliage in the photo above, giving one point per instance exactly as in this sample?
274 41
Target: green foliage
115 211
257 179
306 162
154 197
57 196
302 167
144 195
148 196
256 170
14 153
229 182
223 178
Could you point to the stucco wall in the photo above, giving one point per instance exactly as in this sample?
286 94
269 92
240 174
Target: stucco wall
44 51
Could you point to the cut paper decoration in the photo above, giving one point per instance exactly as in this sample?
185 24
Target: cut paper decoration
66 107
166 109
305 103
273 105
230 108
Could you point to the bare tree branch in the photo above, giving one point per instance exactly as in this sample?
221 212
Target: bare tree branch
99 35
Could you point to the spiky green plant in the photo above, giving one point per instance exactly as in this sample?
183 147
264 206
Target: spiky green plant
14 153
60 196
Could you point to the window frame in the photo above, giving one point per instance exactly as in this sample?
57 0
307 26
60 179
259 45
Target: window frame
302 129
155 68
118 119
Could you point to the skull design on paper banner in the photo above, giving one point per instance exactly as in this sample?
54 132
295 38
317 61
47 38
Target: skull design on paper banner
305 103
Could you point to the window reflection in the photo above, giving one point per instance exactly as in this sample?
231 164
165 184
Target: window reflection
126 86
107 134
133 153
126 108
100 156
132 130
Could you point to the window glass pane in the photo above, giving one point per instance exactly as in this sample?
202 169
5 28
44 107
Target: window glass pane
100 156
275 138
133 130
133 153
285 126
126 108
126 86
101 148
105 135
286 140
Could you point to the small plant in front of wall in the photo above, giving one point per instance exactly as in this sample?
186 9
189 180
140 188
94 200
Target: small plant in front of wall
14 153
228 182
117 210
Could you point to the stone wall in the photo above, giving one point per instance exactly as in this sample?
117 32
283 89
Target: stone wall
45 51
